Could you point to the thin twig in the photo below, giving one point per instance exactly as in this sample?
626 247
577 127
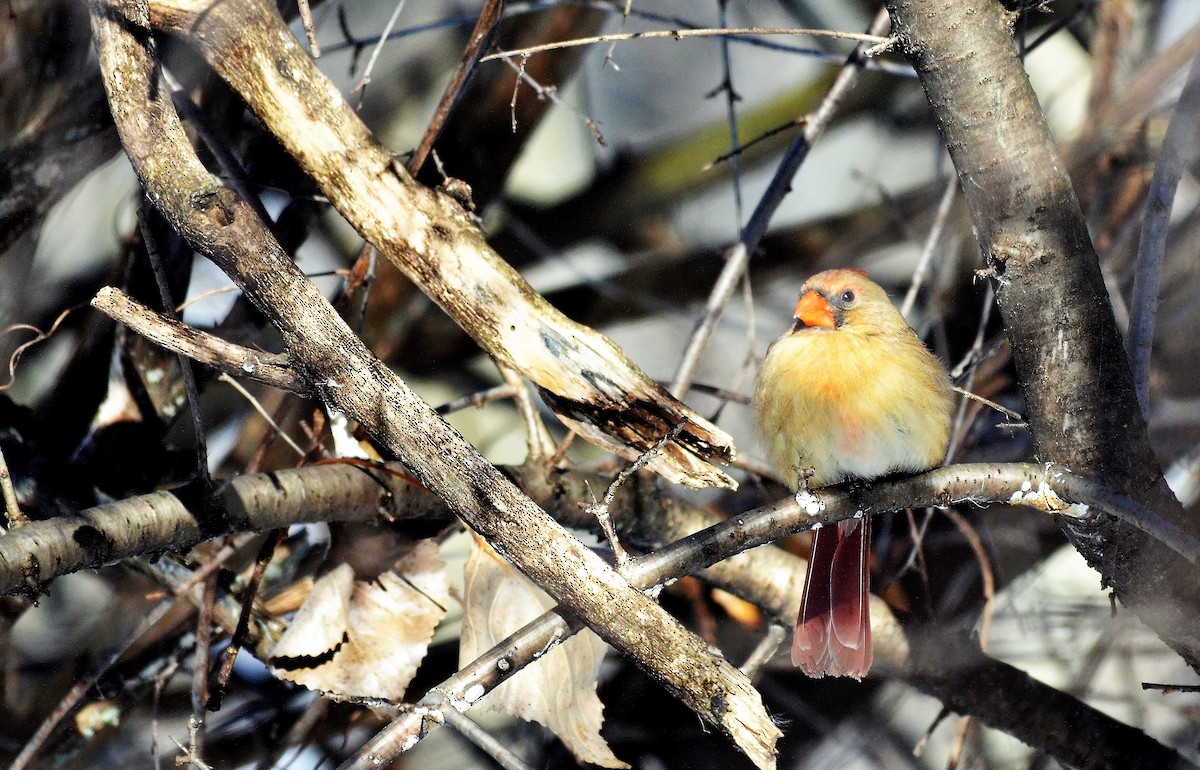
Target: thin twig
185 364
1002 409
540 443
258 407
228 357
71 700
361 88
679 34
602 510
200 668
357 44
481 39
306 19
477 399
1181 146
960 743
738 256
243 627
216 562
931 244
12 508
919 748
608 57
160 682
551 93
1169 689
973 354
766 649
985 572
484 741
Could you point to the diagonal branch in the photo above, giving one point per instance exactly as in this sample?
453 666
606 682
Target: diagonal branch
229 357
344 373
431 238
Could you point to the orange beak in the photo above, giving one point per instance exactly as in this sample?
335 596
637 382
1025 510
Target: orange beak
813 310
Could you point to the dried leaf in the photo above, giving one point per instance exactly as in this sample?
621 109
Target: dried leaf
559 689
356 639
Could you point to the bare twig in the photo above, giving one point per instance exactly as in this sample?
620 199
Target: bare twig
71 700
268 368
481 38
1180 148
199 437
549 93
738 256
1001 408
12 507
602 510
200 668
680 34
263 413
306 19
538 438
1170 688
477 399
931 244
766 649
361 88
968 365
238 638
482 739
985 572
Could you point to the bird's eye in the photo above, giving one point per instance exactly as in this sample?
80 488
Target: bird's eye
848 296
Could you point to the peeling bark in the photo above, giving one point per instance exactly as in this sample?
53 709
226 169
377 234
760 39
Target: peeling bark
344 373
429 236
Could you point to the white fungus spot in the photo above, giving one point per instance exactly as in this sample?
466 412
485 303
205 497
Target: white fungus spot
809 503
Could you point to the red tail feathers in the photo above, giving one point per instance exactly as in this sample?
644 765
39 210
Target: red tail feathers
833 632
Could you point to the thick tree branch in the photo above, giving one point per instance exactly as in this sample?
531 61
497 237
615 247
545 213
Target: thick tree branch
160 521
940 663
1079 393
345 374
428 235
943 664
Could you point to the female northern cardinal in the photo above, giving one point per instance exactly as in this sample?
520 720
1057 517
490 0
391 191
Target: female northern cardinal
849 393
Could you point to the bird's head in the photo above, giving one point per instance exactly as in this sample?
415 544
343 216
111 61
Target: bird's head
838 299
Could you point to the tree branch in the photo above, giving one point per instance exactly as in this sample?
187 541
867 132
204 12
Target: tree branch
1079 394
940 663
428 235
224 356
344 373
32 555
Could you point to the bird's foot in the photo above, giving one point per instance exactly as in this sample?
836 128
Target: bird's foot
803 474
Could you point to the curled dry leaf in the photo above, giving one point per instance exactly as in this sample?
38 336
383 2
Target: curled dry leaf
559 689
356 639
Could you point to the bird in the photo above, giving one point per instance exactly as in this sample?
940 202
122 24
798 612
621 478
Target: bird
848 394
